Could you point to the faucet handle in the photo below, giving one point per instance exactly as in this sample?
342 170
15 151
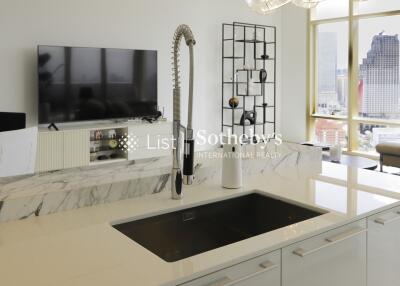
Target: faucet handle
176 181
188 161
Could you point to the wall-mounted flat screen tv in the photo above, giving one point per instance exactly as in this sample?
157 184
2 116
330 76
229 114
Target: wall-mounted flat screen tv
81 84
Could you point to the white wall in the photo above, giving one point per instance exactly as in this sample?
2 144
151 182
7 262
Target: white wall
294 77
133 24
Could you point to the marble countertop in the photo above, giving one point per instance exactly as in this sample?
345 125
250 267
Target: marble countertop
80 247
70 179
45 193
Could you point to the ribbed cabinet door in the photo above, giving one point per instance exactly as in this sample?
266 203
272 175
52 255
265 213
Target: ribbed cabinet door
50 151
76 148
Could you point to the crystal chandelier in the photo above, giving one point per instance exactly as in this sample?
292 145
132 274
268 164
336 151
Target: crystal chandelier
265 6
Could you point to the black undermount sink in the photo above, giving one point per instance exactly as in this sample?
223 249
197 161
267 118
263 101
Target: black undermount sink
184 233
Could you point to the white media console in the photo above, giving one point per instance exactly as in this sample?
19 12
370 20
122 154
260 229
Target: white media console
92 144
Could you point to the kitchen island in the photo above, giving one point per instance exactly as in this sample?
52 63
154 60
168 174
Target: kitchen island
80 247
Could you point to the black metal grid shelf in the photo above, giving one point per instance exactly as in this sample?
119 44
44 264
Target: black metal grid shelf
264 36
249 41
247 70
242 82
233 58
228 107
246 124
265 106
248 95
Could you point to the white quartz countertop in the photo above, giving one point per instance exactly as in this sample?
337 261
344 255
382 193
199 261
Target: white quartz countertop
80 247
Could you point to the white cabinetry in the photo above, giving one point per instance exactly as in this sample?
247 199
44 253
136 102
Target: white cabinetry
71 147
50 151
337 257
76 148
62 149
153 141
384 248
261 271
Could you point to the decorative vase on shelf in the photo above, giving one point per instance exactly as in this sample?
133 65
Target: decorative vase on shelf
249 116
234 102
113 143
263 75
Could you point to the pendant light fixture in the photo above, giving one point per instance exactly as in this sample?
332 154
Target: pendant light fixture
265 6
306 3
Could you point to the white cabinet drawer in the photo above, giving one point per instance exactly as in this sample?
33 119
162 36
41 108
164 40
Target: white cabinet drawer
337 257
384 248
264 270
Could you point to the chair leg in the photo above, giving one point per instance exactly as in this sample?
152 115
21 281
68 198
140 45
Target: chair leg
381 162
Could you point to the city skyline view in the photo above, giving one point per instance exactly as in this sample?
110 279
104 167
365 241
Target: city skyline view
378 86
378 73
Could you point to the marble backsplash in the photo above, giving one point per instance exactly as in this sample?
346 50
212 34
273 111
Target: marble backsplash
46 193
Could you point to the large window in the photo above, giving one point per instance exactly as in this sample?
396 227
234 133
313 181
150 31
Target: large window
354 73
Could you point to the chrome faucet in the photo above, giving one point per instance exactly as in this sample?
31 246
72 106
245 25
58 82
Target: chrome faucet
176 174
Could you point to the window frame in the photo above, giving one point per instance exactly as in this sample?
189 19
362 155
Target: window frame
352 119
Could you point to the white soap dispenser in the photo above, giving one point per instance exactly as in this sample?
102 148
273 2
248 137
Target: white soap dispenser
231 164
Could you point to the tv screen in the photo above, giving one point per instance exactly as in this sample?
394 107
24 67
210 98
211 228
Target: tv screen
79 84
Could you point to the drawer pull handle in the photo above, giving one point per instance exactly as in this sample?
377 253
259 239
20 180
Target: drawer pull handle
331 241
220 282
388 221
266 266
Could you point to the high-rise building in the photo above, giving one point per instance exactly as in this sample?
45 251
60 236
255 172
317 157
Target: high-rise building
342 85
327 61
379 78
327 70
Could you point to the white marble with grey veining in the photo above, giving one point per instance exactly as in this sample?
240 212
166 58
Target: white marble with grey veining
46 193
